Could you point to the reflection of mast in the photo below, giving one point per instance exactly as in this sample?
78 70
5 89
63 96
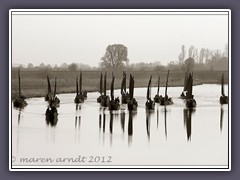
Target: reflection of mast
165 120
104 119
188 122
148 124
221 118
111 122
157 117
122 120
130 128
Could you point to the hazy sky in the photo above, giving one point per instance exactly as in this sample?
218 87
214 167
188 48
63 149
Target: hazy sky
55 39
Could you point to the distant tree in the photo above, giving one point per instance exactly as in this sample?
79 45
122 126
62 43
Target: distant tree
30 66
193 52
72 67
115 56
42 65
64 66
182 55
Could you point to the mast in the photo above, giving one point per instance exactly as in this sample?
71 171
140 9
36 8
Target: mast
149 89
105 83
55 87
112 88
190 85
166 83
223 94
101 84
19 83
80 82
158 85
131 86
49 85
77 84
123 85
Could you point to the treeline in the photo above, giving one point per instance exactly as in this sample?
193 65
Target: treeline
191 58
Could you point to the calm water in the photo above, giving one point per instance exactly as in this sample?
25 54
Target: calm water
170 135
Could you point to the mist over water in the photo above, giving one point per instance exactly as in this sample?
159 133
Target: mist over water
169 135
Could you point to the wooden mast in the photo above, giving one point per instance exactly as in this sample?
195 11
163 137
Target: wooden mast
101 84
166 84
19 83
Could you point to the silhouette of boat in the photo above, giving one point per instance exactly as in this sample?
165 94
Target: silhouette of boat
186 84
166 100
100 89
190 101
114 103
124 93
158 97
132 103
223 99
150 105
79 96
105 97
19 102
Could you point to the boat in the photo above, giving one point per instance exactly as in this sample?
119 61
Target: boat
185 87
223 98
166 100
150 105
158 97
114 103
105 97
132 103
124 93
79 96
54 99
190 101
20 101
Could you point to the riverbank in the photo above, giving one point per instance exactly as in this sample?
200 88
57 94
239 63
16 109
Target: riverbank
34 83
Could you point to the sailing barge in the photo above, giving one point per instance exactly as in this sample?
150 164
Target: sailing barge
158 97
19 102
124 93
114 103
166 100
150 105
79 96
223 99
132 103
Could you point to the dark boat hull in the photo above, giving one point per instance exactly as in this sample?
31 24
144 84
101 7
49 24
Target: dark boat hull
150 105
19 103
79 99
167 101
132 104
191 103
114 105
223 99
158 98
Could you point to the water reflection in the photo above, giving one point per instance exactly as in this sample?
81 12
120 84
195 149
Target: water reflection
51 116
187 113
122 115
148 119
130 127
165 121
77 122
221 117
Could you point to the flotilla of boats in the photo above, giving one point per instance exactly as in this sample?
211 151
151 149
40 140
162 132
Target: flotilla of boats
113 103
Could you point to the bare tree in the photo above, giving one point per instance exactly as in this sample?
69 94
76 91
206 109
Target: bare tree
182 55
115 56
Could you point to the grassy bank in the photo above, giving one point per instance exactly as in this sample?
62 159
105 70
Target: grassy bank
34 83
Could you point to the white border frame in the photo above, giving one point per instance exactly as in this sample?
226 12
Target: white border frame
119 168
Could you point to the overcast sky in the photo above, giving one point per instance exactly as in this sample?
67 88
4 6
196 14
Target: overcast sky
55 39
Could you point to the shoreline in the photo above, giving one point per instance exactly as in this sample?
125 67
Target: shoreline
31 93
